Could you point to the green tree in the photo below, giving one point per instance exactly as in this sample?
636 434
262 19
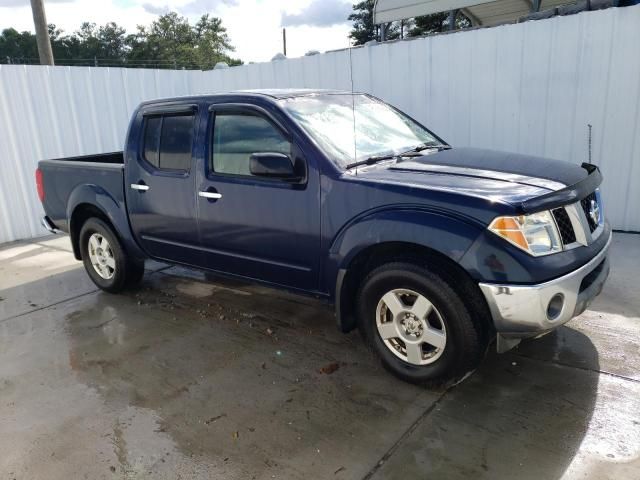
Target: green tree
169 42
364 29
212 43
435 23
169 39
362 17
17 46
112 41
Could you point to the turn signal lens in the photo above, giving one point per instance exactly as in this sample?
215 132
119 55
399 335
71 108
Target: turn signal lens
536 234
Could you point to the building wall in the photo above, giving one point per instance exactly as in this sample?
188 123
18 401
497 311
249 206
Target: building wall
530 88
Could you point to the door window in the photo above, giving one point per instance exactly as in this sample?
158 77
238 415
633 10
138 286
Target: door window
237 136
168 140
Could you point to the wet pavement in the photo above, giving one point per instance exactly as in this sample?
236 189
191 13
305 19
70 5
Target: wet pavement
194 377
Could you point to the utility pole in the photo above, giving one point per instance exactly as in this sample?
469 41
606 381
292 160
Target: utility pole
284 41
42 32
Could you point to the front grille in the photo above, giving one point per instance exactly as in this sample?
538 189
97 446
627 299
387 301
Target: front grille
586 207
564 226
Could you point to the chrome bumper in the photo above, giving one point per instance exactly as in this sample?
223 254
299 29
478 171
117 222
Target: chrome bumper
521 311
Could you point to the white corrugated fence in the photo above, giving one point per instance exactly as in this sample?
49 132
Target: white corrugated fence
530 88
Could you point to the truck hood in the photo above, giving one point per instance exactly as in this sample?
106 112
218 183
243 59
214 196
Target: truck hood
499 176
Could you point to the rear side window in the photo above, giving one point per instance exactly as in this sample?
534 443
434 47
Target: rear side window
168 140
175 142
152 140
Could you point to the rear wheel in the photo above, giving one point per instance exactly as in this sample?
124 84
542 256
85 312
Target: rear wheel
417 324
104 258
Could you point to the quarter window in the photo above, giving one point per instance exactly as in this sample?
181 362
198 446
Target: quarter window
238 135
152 140
168 140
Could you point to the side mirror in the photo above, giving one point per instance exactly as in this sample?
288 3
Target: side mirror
271 165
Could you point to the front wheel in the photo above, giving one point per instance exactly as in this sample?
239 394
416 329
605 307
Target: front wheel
417 324
104 258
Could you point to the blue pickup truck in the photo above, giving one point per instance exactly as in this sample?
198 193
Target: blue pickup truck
431 251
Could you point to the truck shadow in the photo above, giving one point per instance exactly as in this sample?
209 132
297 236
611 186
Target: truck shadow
516 417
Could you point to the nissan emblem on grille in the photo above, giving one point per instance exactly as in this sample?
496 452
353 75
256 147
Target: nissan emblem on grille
594 212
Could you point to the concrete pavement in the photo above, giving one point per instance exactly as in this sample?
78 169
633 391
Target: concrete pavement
189 377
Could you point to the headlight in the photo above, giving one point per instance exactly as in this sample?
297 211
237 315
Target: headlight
536 234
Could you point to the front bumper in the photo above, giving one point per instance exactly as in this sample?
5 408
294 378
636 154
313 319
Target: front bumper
521 311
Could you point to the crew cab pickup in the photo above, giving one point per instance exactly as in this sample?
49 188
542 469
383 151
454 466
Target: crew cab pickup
431 251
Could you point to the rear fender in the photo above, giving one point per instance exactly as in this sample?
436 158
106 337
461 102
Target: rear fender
114 210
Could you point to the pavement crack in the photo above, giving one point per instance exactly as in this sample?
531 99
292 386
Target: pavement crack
407 432
44 307
65 300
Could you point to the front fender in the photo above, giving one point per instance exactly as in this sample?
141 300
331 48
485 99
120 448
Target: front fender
112 208
448 233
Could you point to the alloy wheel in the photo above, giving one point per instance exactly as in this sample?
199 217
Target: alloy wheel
411 327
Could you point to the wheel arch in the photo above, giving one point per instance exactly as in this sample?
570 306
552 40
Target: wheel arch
88 201
435 239
350 278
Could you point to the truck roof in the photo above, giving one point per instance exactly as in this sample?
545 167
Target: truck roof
292 92
276 93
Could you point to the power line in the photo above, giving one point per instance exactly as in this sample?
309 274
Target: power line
112 62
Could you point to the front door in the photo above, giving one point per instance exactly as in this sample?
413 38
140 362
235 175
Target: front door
263 228
159 184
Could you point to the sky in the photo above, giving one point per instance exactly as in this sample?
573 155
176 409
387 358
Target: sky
254 26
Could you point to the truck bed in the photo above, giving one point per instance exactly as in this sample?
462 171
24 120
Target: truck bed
111 158
63 177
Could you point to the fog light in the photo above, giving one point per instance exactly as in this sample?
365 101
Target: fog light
555 306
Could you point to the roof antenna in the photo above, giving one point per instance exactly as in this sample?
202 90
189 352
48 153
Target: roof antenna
590 127
353 109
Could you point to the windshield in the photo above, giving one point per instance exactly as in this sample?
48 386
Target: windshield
379 128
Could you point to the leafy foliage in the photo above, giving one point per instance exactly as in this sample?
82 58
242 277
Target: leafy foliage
364 29
362 17
169 42
435 23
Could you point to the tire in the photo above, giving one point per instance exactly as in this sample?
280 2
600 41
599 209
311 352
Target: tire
105 260
430 337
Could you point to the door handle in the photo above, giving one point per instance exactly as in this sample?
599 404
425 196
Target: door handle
213 195
140 187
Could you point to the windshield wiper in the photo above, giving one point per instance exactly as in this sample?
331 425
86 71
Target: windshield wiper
428 145
409 153
379 158
371 160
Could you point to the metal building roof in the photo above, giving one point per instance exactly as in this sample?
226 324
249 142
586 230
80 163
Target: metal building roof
480 12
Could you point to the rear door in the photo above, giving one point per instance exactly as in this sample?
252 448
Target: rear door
268 229
159 184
